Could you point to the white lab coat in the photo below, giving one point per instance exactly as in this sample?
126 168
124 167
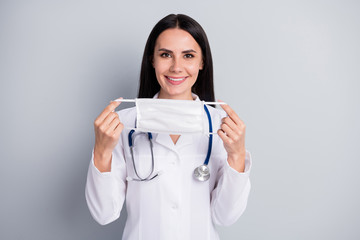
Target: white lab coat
173 205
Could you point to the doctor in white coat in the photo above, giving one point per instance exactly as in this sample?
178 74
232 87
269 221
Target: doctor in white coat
177 64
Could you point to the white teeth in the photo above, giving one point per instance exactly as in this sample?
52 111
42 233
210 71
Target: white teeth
176 79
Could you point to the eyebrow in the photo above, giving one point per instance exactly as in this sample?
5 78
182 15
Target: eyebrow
169 51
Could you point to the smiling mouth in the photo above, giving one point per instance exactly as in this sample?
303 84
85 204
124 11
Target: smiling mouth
176 79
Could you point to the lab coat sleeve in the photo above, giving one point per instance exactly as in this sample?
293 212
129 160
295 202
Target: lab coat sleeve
230 195
105 192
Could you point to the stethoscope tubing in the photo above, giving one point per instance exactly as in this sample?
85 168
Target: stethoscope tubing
210 137
133 160
148 178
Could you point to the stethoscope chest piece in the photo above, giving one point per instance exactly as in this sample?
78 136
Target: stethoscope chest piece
202 173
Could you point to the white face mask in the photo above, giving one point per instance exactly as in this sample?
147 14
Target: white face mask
170 116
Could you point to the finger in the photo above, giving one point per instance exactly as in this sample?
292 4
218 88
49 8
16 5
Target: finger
115 129
109 108
119 128
113 124
231 113
229 132
110 117
223 136
228 121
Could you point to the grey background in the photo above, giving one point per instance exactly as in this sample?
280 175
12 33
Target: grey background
289 68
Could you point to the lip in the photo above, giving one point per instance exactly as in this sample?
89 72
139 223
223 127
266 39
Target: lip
175 80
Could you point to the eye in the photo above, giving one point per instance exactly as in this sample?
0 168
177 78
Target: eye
189 55
165 55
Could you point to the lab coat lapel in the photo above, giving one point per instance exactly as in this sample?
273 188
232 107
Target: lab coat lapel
164 140
185 139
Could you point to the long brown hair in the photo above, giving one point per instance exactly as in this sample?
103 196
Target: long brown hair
204 86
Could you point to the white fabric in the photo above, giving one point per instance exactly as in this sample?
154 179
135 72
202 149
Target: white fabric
173 205
170 116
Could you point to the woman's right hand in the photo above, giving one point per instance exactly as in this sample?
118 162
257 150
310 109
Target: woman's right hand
107 133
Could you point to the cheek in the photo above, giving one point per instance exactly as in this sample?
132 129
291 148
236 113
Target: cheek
160 69
193 69
160 66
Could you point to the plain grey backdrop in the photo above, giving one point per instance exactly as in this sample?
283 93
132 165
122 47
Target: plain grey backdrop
291 70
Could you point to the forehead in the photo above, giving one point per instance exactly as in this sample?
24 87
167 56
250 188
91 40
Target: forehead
176 38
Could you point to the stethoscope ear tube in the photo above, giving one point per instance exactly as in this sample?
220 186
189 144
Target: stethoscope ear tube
130 138
133 160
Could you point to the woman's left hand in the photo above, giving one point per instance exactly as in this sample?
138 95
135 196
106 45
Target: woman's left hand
232 133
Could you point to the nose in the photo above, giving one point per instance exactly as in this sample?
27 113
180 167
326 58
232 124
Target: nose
176 65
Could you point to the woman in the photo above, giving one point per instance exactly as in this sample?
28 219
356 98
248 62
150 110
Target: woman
177 64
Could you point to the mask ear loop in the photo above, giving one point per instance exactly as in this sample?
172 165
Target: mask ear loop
134 100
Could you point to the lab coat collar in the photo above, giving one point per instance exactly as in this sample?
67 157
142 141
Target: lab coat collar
165 139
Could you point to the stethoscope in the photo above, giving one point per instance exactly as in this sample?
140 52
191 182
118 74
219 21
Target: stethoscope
201 173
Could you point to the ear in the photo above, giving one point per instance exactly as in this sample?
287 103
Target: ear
151 59
201 65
